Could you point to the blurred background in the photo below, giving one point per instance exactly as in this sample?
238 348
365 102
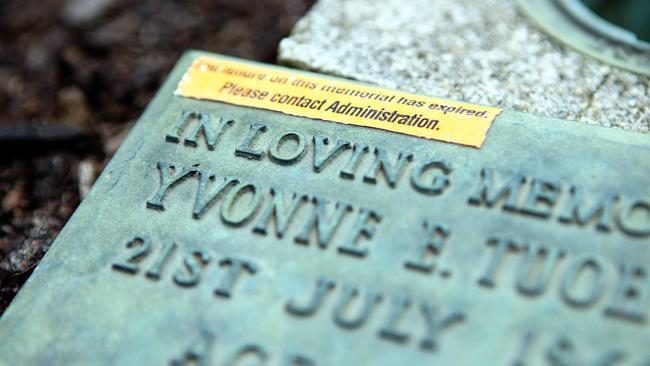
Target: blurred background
74 77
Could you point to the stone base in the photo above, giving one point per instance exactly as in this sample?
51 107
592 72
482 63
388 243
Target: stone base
483 52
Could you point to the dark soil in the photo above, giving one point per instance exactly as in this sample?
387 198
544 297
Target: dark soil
74 75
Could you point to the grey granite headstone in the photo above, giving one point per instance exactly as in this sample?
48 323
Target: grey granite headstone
481 51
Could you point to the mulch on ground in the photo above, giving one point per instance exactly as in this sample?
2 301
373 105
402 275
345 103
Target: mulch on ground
75 75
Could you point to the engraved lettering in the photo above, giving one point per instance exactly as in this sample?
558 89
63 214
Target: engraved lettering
354 308
199 352
358 151
434 241
435 323
323 287
582 283
349 293
246 149
232 213
236 267
205 200
541 198
202 126
168 179
562 352
526 344
631 294
437 183
634 218
390 331
535 268
501 247
322 157
298 360
363 226
154 272
325 225
382 163
248 352
571 281
140 247
194 262
487 194
280 155
576 212
282 213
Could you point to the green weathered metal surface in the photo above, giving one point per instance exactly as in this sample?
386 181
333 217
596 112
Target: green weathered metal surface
575 24
533 250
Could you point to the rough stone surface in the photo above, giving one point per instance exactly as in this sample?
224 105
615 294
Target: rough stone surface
477 51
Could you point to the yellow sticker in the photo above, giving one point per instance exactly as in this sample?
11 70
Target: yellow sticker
309 95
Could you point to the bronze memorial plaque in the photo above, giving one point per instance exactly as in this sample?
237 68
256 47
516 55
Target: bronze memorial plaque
258 215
